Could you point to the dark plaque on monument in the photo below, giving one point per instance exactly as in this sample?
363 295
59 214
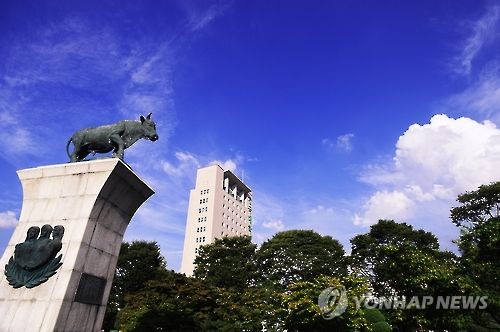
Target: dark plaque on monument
90 289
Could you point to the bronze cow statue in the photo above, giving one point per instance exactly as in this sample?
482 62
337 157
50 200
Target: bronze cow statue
116 137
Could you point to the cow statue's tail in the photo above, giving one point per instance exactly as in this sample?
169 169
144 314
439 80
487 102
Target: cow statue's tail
67 147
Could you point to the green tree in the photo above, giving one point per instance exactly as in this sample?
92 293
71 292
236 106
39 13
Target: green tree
302 312
227 262
172 302
401 261
371 251
250 309
298 255
138 263
377 320
175 302
478 218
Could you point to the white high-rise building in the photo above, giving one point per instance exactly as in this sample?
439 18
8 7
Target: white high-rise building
219 205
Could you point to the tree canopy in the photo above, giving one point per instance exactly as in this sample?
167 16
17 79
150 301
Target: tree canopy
138 263
478 217
227 262
297 255
372 252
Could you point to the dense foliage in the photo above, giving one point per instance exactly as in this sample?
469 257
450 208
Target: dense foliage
138 263
228 262
239 287
478 218
298 255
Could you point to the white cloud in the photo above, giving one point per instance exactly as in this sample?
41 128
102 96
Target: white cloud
327 142
344 142
433 163
201 18
71 52
484 32
319 209
8 219
482 98
187 164
227 165
149 88
66 58
268 215
146 72
275 224
385 205
6 118
16 140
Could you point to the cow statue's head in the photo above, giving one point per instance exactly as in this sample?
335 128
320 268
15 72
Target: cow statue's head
149 127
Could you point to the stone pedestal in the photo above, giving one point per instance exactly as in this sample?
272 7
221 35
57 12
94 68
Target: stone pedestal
94 201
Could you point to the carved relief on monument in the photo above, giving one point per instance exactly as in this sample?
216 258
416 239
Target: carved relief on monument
34 260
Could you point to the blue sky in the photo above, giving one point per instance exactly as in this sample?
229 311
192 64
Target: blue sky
336 114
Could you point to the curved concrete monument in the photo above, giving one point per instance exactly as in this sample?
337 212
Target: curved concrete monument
93 201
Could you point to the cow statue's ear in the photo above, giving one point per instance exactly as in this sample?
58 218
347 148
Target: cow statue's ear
142 119
149 116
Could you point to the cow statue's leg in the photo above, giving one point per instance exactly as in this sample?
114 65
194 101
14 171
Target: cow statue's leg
77 150
74 157
119 145
84 152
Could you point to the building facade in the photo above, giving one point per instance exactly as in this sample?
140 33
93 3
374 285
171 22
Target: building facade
219 205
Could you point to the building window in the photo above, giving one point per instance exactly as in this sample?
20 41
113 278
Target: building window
203 239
